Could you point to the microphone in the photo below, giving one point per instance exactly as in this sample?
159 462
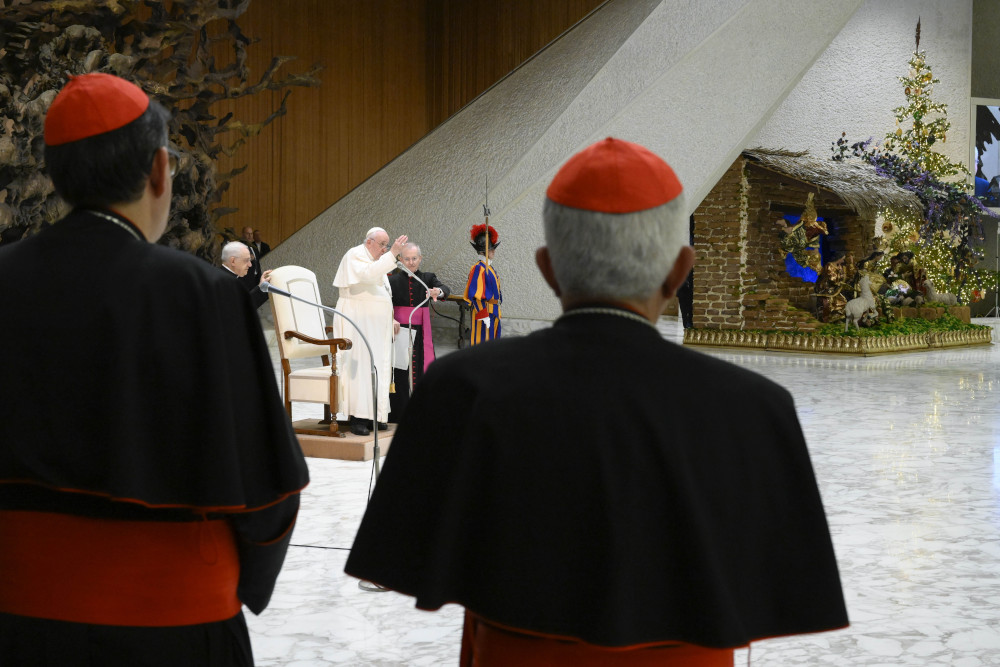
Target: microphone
411 274
409 324
266 287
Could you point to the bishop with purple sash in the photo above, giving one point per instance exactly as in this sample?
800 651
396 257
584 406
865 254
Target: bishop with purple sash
407 294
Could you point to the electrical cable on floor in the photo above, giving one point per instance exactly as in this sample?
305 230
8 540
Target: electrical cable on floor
316 546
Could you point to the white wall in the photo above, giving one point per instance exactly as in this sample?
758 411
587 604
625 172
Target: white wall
434 191
692 83
853 87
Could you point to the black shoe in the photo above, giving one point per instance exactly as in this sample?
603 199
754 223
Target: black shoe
382 426
358 427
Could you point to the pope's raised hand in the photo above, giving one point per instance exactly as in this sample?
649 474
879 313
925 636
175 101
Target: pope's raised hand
397 245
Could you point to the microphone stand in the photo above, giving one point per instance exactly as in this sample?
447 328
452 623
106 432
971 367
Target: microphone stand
410 334
268 287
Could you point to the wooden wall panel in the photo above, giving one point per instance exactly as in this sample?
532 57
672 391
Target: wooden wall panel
473 44
336 135
394 70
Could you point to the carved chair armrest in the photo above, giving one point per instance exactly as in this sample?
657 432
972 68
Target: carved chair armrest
334 343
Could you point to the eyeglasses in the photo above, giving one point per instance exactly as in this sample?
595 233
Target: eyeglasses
173 160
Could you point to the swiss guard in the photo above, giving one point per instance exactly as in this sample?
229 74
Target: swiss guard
483 288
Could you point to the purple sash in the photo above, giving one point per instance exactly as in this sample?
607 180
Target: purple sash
421 319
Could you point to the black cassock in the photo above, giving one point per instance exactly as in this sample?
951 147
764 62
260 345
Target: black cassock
257 297
138 386
407 292
251 280
595 481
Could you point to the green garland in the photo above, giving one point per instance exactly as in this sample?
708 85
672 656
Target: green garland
903 327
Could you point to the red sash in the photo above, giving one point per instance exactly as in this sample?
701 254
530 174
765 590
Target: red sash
485 644
111 572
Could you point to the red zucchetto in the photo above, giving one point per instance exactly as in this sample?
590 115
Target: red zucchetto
614 176
92 104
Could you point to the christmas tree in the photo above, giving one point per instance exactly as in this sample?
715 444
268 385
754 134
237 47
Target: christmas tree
928 120
946 242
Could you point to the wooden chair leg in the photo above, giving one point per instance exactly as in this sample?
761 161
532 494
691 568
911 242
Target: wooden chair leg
329 413
286 370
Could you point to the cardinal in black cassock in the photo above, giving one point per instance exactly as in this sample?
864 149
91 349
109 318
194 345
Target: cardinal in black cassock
149 477
600 495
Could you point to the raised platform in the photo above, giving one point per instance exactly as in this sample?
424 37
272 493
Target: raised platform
348 448
855 345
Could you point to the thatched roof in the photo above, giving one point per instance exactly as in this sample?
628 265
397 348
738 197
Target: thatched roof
854 181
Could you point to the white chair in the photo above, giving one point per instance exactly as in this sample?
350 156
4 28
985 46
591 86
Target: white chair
302 334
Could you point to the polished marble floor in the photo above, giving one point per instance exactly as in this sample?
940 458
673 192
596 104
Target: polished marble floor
906 449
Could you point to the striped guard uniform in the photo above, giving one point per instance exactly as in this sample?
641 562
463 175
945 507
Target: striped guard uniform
483 292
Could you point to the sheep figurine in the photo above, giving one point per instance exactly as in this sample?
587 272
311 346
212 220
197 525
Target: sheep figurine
856 308
932 295
901 294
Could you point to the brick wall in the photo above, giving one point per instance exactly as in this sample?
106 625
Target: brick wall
717 298
740 276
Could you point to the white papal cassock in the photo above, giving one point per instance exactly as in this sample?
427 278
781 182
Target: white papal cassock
366 298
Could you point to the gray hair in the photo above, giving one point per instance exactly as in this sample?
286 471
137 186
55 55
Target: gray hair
232 249
373 231
614 255
411 244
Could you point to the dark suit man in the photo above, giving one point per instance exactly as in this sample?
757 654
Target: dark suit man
258 245
252 277
598 495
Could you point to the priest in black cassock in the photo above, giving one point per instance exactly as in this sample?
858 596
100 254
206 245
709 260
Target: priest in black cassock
599 495
237 261
407 294
149 477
